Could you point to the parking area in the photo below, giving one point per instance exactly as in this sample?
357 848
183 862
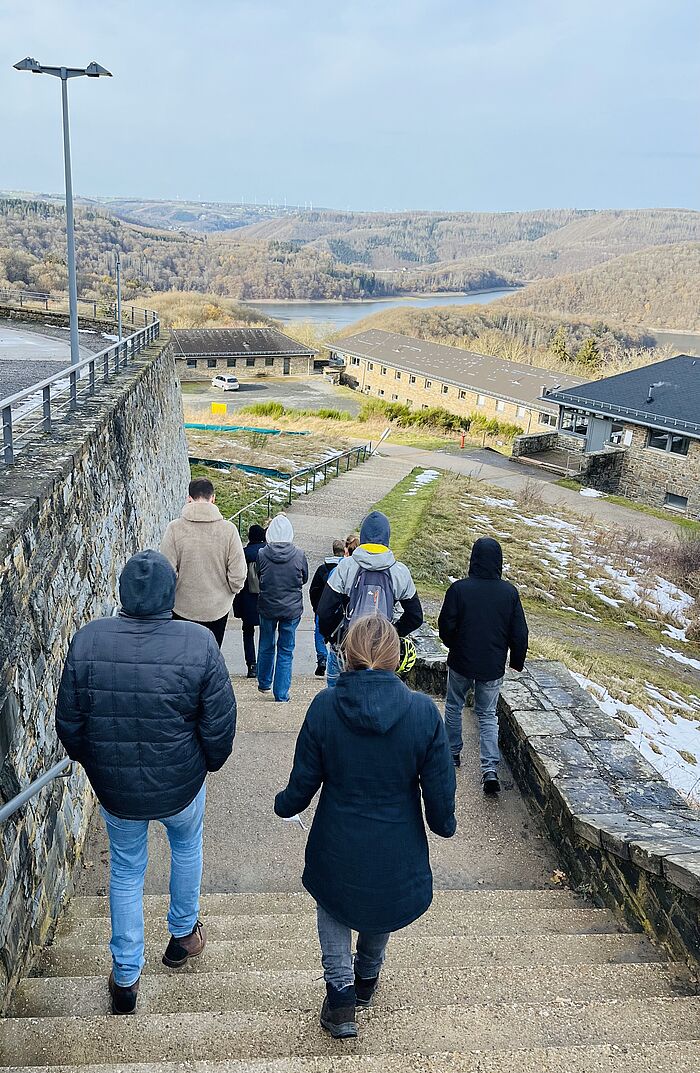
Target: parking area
311 394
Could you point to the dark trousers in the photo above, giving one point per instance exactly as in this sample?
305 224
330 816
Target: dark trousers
249 645
218 627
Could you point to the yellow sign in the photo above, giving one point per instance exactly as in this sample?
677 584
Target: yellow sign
219 408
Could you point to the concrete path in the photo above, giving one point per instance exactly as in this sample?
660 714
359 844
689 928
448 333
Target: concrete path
28 356
246 848
513 476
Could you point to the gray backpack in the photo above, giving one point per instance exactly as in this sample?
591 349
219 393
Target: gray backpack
372 593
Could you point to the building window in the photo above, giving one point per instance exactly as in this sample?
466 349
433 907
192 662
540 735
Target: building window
428 383
574 421
480 400
674 502
547 419
394 398
381 391
370 365
411 379
270 361
382 370
462 394
354 361
211 363
397 375
500 406
250 362
522 411
669 442
230 363
425 406
445 389
191 363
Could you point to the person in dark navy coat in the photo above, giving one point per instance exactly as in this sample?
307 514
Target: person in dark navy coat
379 753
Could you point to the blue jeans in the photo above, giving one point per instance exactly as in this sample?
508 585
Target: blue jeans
339 967
279 660
485 705
332 668
128 858
319 643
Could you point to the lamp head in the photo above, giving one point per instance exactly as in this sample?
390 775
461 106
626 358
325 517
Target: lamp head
29 64
93 70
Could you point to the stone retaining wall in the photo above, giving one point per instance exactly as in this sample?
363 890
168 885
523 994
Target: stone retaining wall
623 833
74 507
603 469
534 443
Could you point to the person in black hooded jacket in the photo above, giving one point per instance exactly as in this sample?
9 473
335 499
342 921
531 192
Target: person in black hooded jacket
481 619
145 704
245 603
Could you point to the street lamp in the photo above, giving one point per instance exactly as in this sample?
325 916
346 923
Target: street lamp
93 70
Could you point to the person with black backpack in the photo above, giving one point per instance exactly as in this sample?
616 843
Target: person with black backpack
245 604
370 581
316 588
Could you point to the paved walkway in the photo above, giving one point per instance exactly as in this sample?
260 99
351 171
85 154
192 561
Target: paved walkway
28 356
246 847
513 476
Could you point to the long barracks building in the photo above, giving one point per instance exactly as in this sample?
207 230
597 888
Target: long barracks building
399 368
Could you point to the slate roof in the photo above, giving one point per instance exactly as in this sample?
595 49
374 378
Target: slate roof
483 373
236 342
665 395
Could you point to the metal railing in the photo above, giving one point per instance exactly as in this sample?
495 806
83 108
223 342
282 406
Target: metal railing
284 491
16 802
611 409
94 308
40 407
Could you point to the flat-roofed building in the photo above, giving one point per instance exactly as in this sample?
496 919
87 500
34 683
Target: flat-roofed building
399 368
202 353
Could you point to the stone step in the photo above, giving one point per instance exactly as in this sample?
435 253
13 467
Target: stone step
296 927
599 1058
220 904
277 1034
408 952
55 996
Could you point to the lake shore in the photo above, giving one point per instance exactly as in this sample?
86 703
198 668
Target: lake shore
414 296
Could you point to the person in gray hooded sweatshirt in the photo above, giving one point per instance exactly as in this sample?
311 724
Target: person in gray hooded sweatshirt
371 559
283 572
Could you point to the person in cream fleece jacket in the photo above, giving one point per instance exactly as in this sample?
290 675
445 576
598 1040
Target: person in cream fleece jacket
206 553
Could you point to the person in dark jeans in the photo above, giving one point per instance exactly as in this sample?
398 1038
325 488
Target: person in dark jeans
145 704
380 756
481 619
283 572
245 603
316 588
206 553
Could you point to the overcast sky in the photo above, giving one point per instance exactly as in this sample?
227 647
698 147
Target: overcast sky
374 104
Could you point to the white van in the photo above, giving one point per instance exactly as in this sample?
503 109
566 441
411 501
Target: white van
226 383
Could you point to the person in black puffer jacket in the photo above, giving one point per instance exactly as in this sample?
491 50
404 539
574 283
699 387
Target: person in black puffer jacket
481 619
146 706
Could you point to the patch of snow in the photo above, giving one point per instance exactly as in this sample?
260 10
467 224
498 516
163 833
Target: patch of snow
491 501
670 653
586 614
676 633
592 493
422 479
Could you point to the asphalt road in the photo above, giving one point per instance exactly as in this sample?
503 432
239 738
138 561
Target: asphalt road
27 357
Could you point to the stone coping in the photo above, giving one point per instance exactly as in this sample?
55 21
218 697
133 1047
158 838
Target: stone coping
620 828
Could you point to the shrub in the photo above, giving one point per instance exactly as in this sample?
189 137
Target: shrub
265 409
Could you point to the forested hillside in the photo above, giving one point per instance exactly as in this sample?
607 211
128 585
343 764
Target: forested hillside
547 341
657 287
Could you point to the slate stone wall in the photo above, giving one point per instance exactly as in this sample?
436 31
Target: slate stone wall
623 833
534 444
74 507
603 470
648 474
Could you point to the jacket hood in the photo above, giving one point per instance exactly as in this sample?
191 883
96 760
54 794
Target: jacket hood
376 529
370 702
486 559
280 530
280 552
332 560
373 560
201 510
147 585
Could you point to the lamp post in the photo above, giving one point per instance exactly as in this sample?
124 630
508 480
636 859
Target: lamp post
93 70
119 297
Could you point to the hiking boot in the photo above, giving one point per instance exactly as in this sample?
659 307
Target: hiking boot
123 998
179 951
252 671
365 990
456 760
338 1012
490 783
320 671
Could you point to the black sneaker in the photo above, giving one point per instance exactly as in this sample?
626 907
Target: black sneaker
338 1013
365 990
456 760
320 671
123 998
490 783
252 671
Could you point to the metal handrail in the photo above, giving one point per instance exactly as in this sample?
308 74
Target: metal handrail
16 409
91 307
16 802
309 473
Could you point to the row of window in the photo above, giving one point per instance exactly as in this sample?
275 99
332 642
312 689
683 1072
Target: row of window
213 363
577 421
